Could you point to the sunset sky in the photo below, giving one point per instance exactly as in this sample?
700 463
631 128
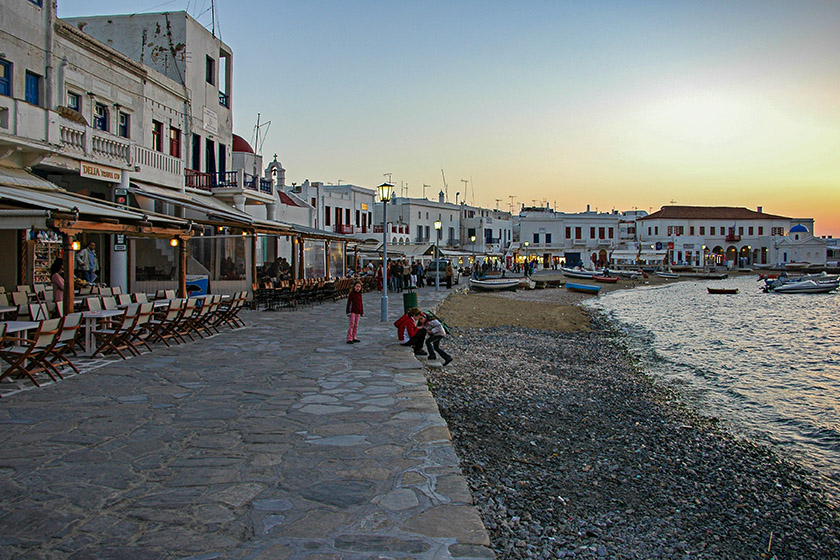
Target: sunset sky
615 104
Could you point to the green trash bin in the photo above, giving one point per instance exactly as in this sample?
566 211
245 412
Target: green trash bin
409 300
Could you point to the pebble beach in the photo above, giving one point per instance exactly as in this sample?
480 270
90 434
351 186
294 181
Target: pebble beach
571 452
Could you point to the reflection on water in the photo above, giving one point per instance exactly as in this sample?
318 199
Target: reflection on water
768 363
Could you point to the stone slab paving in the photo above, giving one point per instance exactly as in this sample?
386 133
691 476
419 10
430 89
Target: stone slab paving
276 441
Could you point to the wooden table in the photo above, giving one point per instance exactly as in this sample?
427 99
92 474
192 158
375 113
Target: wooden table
91 317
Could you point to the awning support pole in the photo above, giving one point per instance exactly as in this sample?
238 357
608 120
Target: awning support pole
68 299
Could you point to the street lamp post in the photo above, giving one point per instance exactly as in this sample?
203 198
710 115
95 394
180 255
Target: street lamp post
527 260
472 238
385 192
438 225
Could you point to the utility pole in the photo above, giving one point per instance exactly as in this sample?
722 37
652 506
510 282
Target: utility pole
466 189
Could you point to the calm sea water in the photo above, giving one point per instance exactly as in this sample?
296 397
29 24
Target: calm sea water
766 364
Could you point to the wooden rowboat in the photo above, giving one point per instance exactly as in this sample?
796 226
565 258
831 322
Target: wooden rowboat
606 279
723 290
583 288
495 284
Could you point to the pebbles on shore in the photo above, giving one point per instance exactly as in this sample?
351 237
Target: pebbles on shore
570 452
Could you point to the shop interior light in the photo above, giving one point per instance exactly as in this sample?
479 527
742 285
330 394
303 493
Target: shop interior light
173 242
76 245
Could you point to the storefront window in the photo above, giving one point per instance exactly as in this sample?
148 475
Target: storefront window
337 259
313 258
218 257
155 260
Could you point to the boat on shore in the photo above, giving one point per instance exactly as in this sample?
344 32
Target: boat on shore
578 272
668 275
494 284
583 288
722 290
606 279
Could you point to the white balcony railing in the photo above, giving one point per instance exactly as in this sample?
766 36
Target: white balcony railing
98 145
157 167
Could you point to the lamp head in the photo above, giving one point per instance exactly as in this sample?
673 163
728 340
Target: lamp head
438 224
386 190
472 238
526 244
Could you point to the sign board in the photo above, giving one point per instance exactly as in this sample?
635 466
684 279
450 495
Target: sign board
211 121
364 206
119 242
121 196
99 172
670 244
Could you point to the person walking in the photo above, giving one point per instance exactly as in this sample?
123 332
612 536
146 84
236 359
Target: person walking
355 311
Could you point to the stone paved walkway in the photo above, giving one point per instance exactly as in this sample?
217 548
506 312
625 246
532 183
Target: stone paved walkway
276 441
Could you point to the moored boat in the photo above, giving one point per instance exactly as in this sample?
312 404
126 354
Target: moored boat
583 288
806 287
668 275
606 279
494 284
722 290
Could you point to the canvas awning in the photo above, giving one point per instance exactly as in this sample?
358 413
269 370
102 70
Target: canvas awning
212 209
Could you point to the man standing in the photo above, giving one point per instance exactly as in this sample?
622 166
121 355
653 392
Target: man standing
449 274
87 262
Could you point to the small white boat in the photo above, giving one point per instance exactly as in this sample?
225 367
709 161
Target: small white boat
578 272
806 287
669 275
494 284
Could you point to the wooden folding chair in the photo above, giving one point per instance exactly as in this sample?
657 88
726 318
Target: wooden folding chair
66 342
38 311
124 299
115 338
109 303
26 356
163 329
142 327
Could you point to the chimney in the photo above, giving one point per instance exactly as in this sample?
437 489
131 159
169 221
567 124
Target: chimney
760 209
587 208
441 197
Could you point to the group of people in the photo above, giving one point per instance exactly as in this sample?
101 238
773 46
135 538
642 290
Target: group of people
402 275
413 328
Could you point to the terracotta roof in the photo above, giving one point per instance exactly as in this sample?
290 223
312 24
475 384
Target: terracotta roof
286 199
709 213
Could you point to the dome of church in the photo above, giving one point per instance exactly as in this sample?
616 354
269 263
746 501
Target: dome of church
241 145
799 228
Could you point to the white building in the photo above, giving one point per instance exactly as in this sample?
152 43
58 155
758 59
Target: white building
343 209
492 231
732 236
556 238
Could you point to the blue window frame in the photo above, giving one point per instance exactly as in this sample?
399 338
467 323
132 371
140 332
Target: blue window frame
33 88
5 78
100 116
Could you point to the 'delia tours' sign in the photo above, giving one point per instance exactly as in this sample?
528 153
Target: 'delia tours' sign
93 171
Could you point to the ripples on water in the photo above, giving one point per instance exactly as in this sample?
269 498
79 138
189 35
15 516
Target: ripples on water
767 363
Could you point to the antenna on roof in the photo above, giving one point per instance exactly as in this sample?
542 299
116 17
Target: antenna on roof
257 142
498 200
445 186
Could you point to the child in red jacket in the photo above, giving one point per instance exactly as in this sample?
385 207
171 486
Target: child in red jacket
355 310
408 333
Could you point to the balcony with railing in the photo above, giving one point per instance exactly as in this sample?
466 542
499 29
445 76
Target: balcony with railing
732 237
224 99
94 144
232 183
157 167
343 228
